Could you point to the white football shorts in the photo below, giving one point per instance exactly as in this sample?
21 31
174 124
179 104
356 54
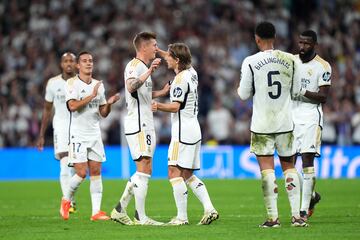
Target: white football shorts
184 155
61 142
265 144
142 144
82 151
307 138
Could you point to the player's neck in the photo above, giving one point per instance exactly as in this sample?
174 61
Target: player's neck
308 58
85 78
66 76
266 47
265 44
143 58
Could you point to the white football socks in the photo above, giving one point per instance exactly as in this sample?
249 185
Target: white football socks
292 185
199 189
308 187
270 192
140 181
180 196
65 175
96 189
74 184
127 194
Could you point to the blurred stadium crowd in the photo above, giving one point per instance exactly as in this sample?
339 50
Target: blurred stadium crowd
34 34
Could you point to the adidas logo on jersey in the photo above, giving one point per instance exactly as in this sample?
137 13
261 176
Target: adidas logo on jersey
59 90
83 91
199 185
312 146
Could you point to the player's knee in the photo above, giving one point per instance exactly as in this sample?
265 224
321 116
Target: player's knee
307 163
307 159
173 172
81 173
186 174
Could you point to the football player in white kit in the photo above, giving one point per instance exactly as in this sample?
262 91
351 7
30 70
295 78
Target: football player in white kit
313 78
184 149
55 98
267 76
85 99
139 127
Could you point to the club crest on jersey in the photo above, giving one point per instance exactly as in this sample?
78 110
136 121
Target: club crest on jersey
326 76
177 92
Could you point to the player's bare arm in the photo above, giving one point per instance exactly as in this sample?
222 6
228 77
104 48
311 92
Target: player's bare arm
163 92
75 105
161 53
47 112
133 84
165 107
106 109
318 97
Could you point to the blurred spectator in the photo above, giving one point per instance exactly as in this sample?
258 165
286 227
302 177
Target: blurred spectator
219 123
34 34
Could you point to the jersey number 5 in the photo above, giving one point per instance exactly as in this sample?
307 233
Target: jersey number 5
272 83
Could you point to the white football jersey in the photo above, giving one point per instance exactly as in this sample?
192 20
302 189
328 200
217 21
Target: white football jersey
185 125
268 76
85 123
139 115
310 75
55 93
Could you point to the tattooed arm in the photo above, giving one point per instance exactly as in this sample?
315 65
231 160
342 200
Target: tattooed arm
133 84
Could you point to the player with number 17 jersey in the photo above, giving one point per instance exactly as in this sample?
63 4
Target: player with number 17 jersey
268 76
185 125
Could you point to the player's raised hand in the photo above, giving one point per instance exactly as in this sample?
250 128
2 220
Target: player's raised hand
154 106
40 143
114 98
155 64
96 88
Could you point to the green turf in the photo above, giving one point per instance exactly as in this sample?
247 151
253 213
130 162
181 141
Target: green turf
29 210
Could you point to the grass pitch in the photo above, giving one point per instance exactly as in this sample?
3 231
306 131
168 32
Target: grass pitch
30 210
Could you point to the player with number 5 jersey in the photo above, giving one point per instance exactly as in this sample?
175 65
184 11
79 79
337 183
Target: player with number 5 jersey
267 76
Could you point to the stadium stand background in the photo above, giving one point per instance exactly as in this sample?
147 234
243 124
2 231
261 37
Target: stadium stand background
34 34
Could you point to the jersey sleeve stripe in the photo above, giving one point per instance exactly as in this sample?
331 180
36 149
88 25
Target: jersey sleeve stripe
323 62
134 62
179 78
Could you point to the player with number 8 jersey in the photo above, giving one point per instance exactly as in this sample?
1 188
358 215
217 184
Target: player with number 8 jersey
139 127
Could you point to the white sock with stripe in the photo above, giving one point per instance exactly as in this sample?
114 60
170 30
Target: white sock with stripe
180 196
199 189
292 185
140 181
